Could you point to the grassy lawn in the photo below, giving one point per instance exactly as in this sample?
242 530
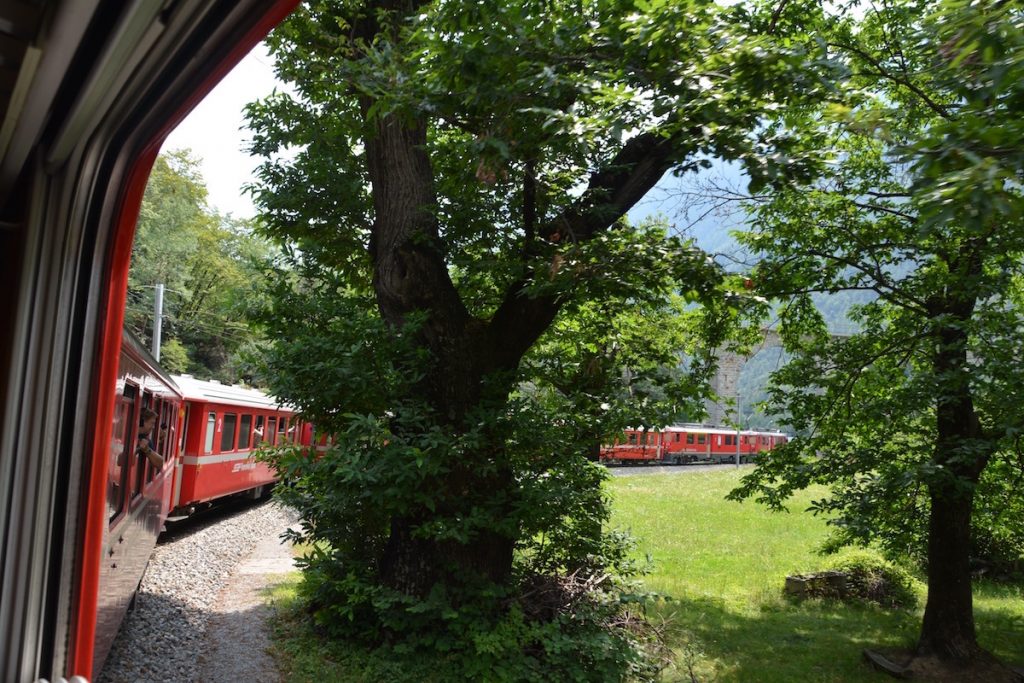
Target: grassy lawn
724 565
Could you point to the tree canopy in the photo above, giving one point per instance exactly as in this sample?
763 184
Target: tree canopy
450 180
210 266
920 204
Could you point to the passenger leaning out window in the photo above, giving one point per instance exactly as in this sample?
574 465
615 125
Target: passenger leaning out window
145 442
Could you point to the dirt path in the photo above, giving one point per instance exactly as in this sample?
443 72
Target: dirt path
237 636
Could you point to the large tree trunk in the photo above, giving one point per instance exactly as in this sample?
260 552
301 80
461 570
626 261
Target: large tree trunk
947 631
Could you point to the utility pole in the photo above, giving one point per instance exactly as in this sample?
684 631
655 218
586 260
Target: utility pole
158 319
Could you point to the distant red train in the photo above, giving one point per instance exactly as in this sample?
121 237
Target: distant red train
689 443
207 433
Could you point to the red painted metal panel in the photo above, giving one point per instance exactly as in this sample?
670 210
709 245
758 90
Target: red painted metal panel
83 632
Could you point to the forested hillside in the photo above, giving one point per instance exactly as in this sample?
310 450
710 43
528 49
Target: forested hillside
210 265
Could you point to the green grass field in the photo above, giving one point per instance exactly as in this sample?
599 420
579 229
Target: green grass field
724 565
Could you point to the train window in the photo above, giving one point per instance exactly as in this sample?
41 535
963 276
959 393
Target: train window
120 452
730 440
227 432
700 438
283 434
258 431
271 430
678 437
244 431
184 412
211 430
632 438
689 438
140 458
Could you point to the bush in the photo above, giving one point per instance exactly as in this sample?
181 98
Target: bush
872 578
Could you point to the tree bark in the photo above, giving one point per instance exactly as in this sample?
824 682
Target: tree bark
947 630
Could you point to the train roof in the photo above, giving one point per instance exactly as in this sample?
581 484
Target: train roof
705 429
131 346
213 391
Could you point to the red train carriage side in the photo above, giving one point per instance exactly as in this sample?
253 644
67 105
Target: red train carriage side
138 493
689 443
224 426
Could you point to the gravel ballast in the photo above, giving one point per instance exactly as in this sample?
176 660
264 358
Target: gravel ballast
165 638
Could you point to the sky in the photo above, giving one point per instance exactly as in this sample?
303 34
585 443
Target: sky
215 133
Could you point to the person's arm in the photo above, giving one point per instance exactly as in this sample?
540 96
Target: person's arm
154 458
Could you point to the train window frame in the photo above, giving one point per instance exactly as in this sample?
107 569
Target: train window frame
259 429
126 402
228 437
141 463
211 432
183 415
244 431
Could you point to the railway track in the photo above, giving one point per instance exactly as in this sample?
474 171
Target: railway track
165 634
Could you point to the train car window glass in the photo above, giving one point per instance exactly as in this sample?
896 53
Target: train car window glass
719 440
211 430
700 438
244 431
161 434
689 438
632 438
120 452
184 411
282 435
227 432
271 430
257 433
141 461
172 428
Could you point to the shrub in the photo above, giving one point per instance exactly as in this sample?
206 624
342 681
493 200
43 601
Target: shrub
872 578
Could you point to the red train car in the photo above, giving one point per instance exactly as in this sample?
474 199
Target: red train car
138 493
224 426
91 89
689 443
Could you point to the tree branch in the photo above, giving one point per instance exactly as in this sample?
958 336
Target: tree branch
611 192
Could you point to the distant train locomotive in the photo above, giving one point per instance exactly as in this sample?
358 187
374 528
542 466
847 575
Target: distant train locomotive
689 443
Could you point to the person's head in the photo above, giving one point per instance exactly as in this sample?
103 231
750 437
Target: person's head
146 420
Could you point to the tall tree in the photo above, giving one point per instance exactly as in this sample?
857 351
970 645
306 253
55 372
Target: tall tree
922 206
471 162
